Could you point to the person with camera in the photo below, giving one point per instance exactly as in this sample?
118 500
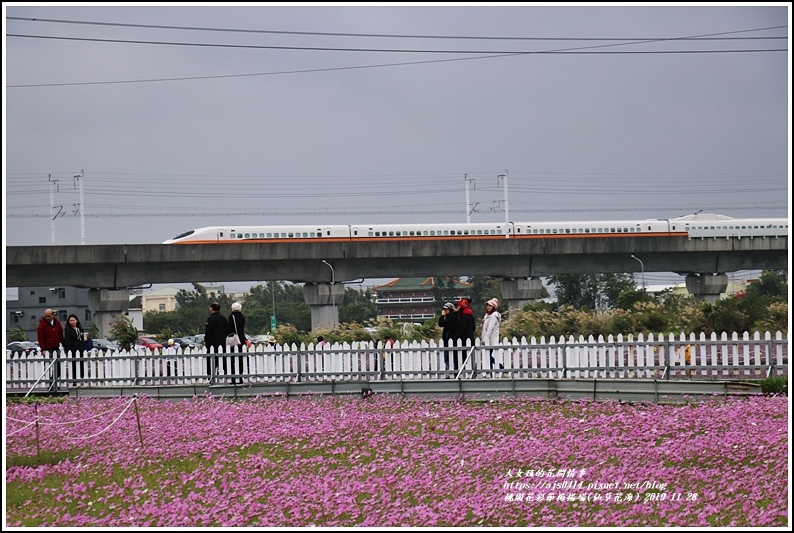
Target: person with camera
448 322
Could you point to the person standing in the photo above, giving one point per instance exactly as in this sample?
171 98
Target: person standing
50 334
214 336
464 330
170 350
490 327
74 344
448 321
236 325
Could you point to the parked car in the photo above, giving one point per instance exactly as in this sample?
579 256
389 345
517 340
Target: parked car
148 343
105 345
22 347
198 339
187 343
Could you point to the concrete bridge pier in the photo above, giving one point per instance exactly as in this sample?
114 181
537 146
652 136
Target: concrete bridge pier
518 292
707 287
108 306
324 300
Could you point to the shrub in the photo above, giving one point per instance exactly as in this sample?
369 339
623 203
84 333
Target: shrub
775 385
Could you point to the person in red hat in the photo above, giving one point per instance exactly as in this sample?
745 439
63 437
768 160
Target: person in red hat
464 330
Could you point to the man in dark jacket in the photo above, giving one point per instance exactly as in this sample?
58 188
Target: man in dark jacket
448 322
215 334
50 333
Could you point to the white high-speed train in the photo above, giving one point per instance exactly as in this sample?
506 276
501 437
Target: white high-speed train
702 225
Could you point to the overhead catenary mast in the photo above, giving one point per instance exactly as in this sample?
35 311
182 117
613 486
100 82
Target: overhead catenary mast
469 207
507 208
53 214
79 179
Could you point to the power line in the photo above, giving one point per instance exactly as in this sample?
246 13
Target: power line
395 36
582 50
397 50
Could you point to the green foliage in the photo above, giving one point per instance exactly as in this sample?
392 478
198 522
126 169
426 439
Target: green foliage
540 306
444 290
776 318
627 299
483 289
288 334
597 304
92 329
591 291
124 333
15 333
358 306
385 327
37 399
675 314
775 385
770 283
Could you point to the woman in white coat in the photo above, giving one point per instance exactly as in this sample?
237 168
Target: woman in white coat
490 327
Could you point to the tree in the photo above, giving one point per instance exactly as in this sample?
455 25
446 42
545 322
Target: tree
358 306
16 333
483 289
770 283
124 332
591 291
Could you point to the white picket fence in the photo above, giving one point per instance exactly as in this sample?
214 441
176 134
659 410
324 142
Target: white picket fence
682 356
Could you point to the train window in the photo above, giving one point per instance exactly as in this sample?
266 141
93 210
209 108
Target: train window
567 230
247 235
425 232
465 232
391 234
554 230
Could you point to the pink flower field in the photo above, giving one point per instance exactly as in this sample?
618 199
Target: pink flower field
386 461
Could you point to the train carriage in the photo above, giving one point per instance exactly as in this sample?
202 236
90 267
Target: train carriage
700 225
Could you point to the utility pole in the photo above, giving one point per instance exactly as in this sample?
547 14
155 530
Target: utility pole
469 207
507 208
53 214
79 179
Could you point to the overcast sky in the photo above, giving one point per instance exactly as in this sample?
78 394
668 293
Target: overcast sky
183 117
